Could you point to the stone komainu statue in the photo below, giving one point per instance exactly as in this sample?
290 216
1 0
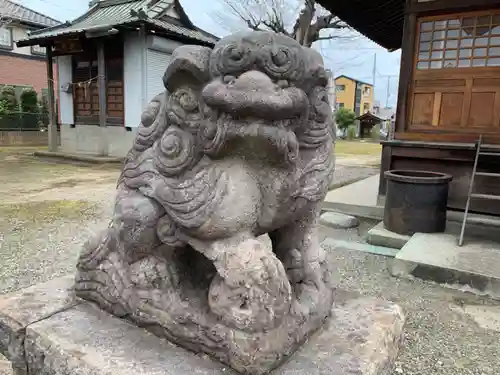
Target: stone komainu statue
238 146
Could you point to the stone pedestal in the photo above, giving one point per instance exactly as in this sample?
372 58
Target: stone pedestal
45 330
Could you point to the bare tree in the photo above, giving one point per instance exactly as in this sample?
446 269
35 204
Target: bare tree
304 20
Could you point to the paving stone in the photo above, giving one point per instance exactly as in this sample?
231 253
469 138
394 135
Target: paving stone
20 309
338 220
361 338
379 236
487 317
357 246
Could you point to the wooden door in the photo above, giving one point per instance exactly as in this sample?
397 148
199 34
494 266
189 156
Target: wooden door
455 89
113 54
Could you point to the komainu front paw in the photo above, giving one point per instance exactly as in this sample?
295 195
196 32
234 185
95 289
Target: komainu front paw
251 291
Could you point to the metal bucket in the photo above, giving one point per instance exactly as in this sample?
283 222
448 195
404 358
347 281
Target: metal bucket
416 201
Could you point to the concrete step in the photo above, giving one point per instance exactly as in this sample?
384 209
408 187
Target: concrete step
437 257
477 226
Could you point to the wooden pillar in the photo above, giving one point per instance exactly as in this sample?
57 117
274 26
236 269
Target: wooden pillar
101 72
53 144
406 71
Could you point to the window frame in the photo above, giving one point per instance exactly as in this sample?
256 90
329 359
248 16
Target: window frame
461 41
5 46
37 53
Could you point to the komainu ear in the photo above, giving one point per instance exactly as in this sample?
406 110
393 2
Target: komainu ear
187 62
316 69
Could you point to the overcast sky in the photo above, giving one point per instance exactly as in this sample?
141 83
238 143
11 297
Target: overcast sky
354 58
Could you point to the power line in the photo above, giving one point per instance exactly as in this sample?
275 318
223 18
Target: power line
53 4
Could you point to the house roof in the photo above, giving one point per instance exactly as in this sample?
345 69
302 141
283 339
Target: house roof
353 79
20 13
369 117
111 13
379 20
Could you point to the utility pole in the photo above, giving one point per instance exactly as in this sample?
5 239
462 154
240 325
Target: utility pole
374 69
388 91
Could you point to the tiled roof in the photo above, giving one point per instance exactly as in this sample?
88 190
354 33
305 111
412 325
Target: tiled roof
17 12
380 20
111 13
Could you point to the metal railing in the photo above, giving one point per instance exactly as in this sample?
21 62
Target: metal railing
25 121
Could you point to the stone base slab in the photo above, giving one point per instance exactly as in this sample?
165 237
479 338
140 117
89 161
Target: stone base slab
362 337
21 309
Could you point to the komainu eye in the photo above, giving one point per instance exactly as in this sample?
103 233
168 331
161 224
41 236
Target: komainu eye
231 59
281 63
279 57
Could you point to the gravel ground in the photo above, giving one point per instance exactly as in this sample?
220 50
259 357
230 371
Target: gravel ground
345 175
438 338
50 211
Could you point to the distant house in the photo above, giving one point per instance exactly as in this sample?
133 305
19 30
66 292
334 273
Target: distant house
354 94
387 115
111 61
22 66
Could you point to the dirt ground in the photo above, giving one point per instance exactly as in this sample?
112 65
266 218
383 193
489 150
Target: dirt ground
29 179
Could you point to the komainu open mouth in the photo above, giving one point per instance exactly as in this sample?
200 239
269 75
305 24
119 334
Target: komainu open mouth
224 127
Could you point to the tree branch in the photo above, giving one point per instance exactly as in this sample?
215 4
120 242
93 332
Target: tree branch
303 23
276 15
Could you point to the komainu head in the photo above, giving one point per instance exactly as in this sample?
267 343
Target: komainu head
252 88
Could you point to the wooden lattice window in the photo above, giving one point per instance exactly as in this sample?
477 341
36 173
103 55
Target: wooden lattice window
460 41
86 88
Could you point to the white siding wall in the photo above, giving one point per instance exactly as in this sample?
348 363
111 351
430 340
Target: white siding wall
65 76
157 64
148 83
132 69
158 57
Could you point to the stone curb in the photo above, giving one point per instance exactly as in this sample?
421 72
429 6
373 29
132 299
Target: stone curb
82 158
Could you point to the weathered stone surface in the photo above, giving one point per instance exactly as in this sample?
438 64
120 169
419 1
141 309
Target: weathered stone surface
338 220
20 309
5 368
361 338
239 145
87 340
